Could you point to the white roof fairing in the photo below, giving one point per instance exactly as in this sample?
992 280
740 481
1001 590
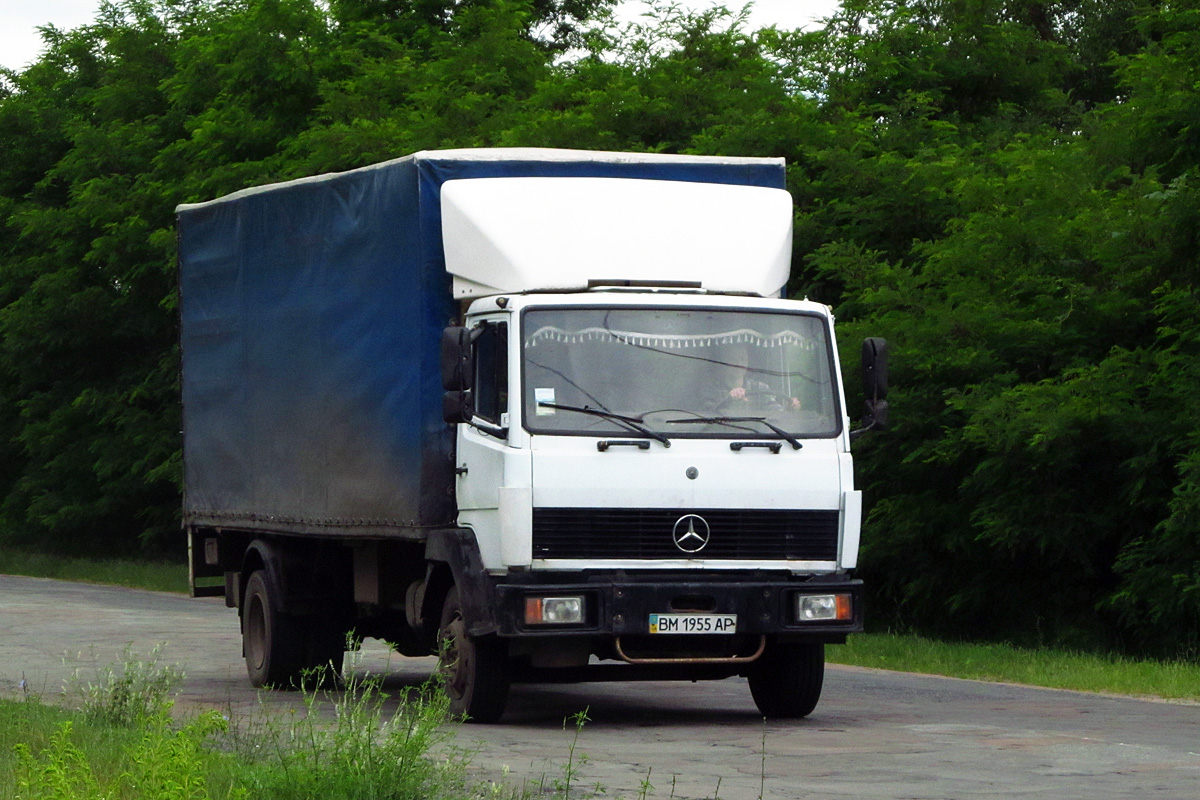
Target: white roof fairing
516 234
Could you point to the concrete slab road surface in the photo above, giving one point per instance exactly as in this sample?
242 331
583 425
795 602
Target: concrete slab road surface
876 734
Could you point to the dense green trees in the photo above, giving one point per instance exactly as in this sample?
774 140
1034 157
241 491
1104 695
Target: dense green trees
1039 483
1007 191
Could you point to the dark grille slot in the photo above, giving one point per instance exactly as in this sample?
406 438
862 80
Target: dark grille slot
749 535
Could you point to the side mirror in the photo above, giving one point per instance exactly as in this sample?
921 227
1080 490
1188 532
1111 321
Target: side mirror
456 359
875 387
874 369
457 406
875 415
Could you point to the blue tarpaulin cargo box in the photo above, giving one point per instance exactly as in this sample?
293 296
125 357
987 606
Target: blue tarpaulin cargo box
311 316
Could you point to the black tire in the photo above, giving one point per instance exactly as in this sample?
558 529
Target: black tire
272 641
786 681
474 670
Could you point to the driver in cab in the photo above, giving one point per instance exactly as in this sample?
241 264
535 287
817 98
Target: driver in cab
740 387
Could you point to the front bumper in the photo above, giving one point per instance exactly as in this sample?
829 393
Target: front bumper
620 605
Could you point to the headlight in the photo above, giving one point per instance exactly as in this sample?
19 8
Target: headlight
553 610
824 607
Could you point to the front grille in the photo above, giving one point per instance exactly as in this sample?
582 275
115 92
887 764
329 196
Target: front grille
737 534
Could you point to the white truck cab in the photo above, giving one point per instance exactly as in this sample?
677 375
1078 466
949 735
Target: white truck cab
653 449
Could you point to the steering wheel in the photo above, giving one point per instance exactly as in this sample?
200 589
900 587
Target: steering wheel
753 399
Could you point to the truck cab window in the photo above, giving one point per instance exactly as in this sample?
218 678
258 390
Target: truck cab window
491 372
681 372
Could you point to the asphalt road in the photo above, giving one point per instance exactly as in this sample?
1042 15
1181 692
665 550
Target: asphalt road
876 734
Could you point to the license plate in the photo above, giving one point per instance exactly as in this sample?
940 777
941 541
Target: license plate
693 623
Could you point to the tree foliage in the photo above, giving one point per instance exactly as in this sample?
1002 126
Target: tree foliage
1009 192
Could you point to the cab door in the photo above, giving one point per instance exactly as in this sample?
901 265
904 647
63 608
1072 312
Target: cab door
482 443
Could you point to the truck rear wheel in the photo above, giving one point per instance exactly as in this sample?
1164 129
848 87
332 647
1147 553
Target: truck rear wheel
786 681
475 670
271 640
284 651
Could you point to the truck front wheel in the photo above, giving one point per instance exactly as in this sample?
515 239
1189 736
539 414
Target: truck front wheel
786 681
474 669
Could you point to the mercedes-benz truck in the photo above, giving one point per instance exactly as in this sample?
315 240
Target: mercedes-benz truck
544 413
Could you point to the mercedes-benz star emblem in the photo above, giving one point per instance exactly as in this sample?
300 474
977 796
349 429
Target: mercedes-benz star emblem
691 533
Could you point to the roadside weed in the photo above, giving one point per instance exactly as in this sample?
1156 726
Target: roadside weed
355 742
574 764
61 771
762 772
170 764
162 764
645 786
141 690
122 744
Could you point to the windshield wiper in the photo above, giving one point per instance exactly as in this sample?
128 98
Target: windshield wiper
632 423
789 438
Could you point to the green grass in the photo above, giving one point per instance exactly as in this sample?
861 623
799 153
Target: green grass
1055 669
33 726
155 575
116 738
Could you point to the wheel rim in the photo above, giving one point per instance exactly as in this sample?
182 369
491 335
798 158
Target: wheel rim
456 658
256 634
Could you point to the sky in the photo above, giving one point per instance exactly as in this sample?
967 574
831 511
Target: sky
20 42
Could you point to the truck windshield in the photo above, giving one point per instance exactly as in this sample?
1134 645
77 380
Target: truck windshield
680 372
